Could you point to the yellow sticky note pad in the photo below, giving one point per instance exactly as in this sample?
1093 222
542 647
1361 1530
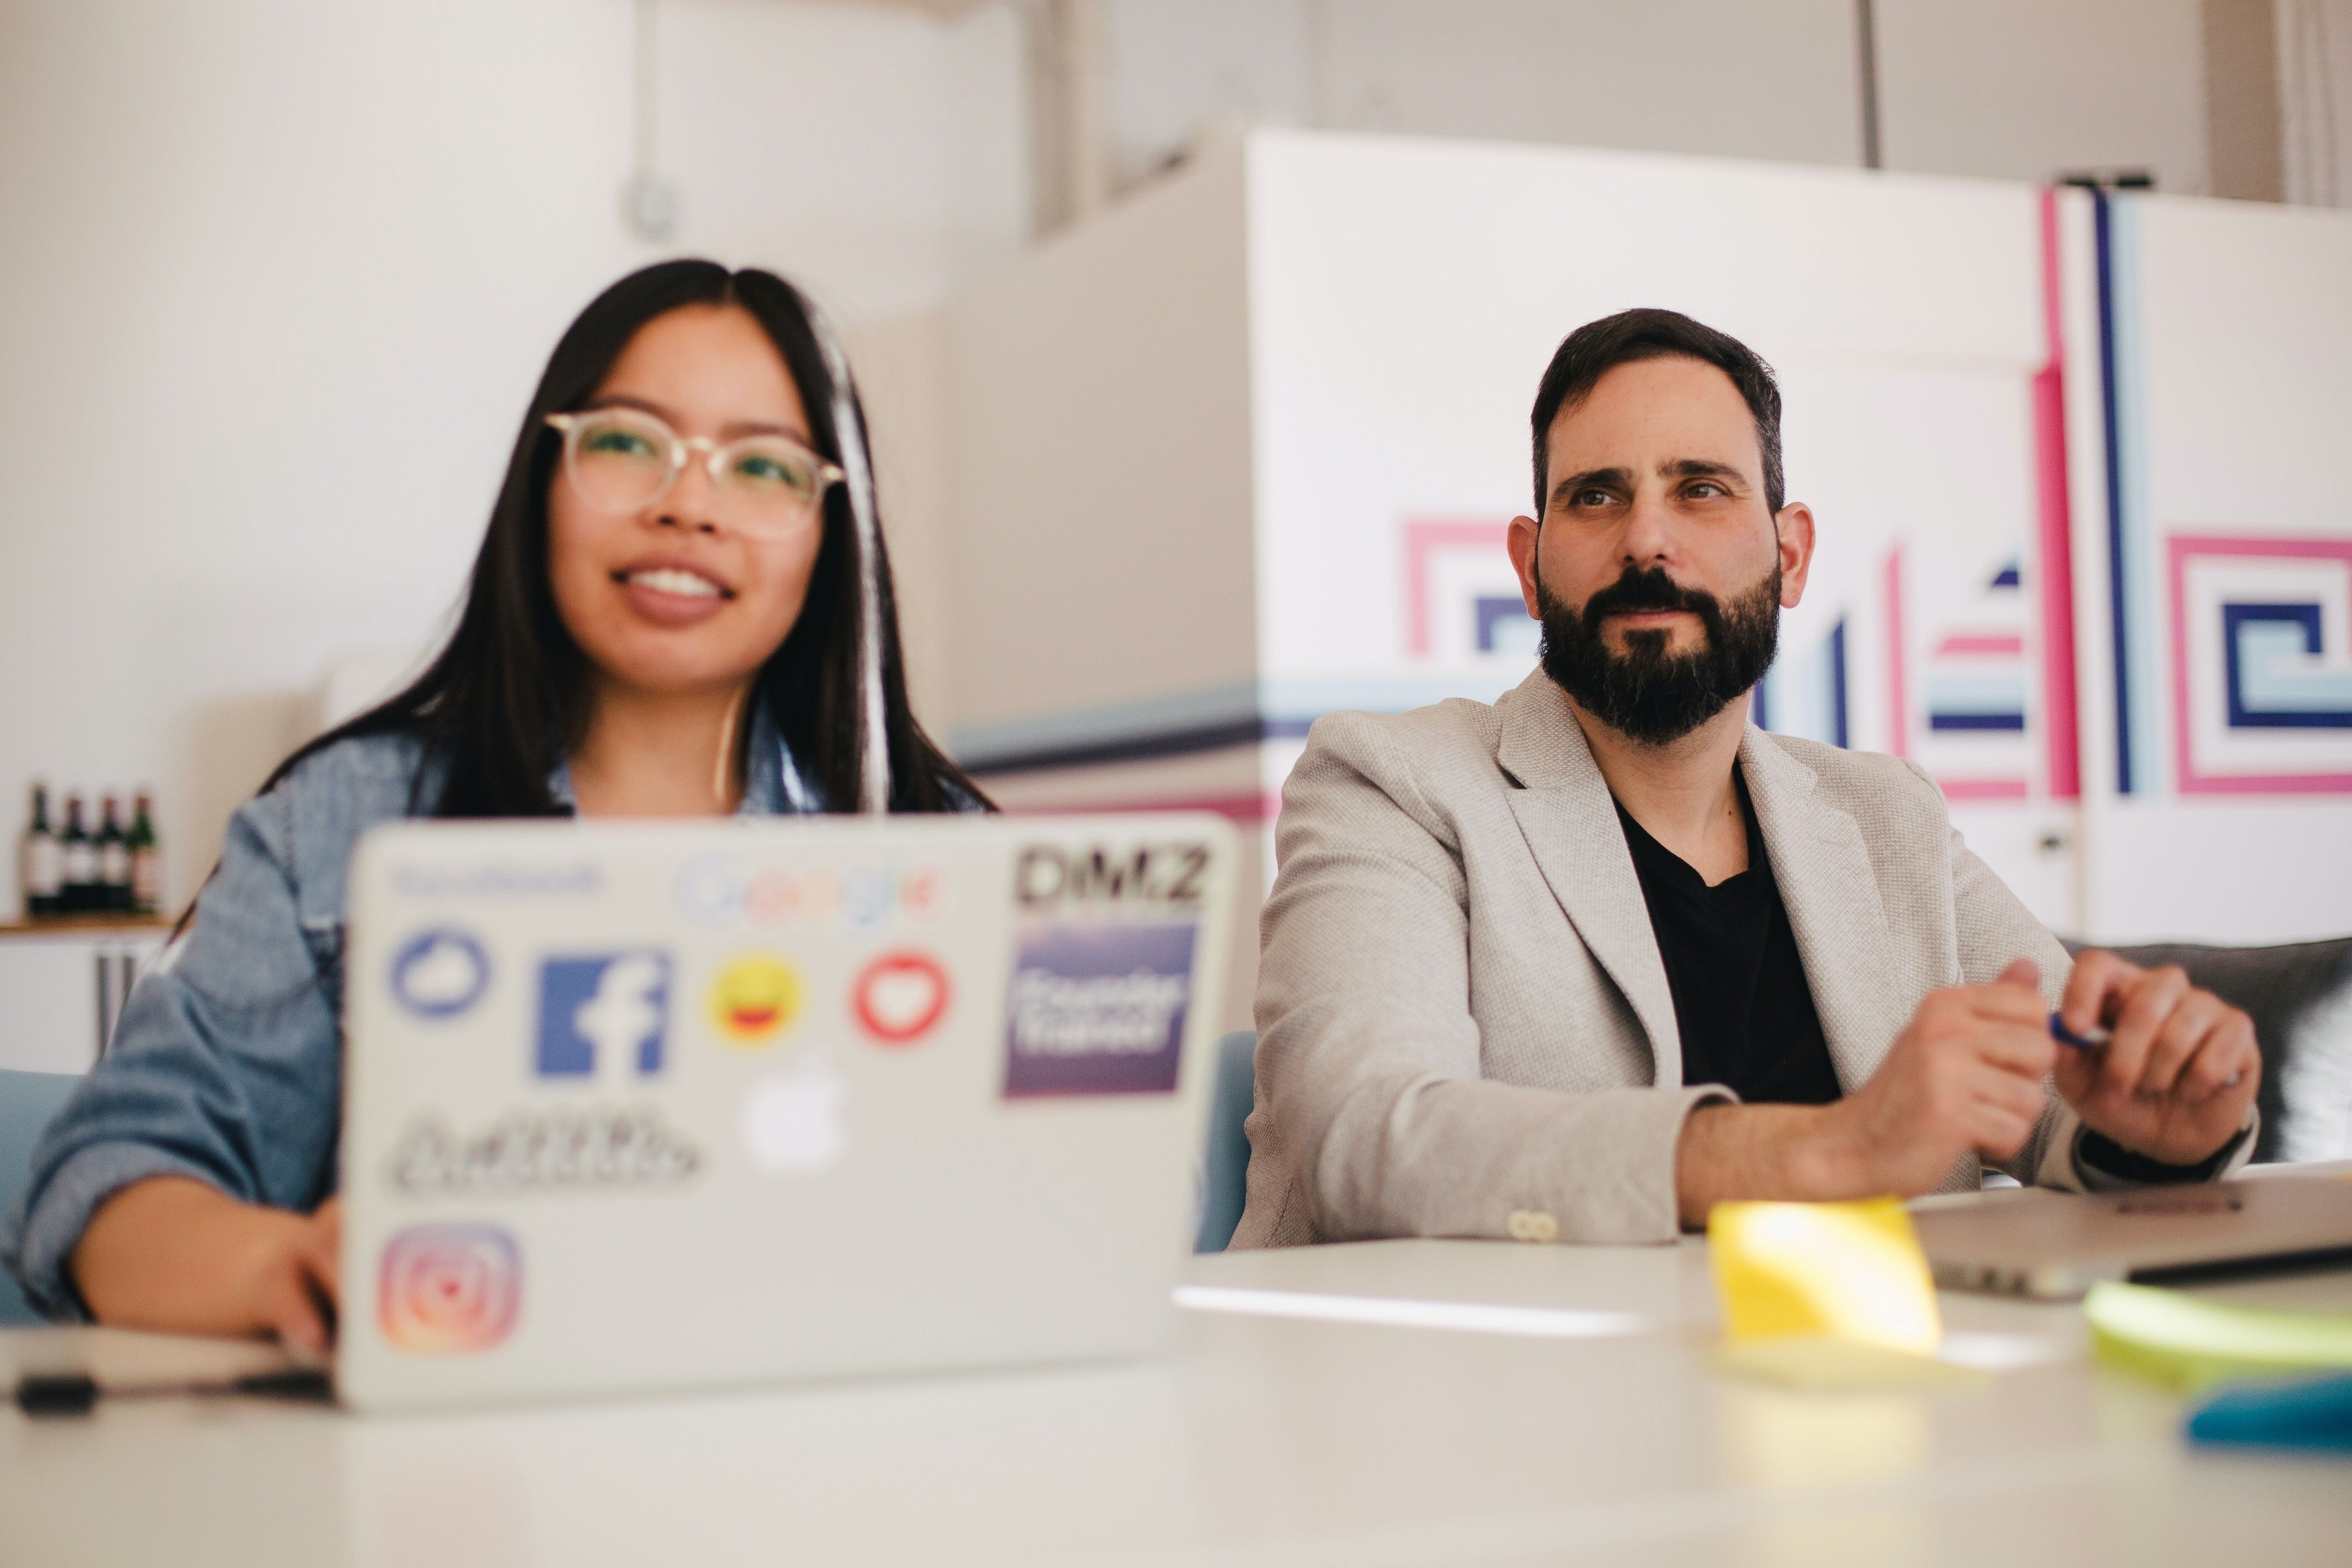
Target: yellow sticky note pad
1850 1272
1816 1363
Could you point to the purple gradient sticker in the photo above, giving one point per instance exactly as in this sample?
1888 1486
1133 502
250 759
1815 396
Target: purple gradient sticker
1097 1009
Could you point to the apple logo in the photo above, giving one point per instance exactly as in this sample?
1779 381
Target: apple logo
797 1121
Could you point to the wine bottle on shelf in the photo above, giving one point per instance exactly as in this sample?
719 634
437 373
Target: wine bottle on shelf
114 861
78 863
146 858
41 865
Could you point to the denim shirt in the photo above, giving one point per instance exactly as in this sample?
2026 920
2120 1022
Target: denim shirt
227 1064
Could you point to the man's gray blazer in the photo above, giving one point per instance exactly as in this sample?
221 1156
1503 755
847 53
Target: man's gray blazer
1463 1024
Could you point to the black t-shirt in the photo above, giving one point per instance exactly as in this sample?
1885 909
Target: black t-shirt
1740 997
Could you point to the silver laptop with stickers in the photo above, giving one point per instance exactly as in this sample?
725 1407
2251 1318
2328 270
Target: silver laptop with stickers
646 1106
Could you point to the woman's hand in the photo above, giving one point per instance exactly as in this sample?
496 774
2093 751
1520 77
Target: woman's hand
175 1254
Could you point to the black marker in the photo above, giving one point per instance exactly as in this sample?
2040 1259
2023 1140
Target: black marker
76 1392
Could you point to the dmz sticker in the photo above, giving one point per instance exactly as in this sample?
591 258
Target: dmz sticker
1097 1009
440 973
597 1012
449 1289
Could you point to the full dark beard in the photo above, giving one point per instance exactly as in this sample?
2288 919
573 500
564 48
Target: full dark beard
1646 694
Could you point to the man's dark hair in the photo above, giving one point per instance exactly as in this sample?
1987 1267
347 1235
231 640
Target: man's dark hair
1596 348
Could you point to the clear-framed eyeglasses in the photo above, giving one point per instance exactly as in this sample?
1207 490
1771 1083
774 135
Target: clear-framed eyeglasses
624 460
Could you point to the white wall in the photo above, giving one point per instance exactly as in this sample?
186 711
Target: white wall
2233 329
277 277
2315 65
1903 314
2010 88
1099 426
1672 75
1592 72
2023 89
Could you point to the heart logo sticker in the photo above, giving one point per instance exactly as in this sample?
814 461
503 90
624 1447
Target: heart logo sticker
899 997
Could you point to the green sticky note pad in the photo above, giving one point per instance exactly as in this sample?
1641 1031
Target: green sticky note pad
2189 1344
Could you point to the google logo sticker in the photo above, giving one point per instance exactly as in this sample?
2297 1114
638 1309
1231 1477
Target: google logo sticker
722 890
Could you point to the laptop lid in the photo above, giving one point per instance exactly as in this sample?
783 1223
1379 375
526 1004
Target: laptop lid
2058 1245
641 1106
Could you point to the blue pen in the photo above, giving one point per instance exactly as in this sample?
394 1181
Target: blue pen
2059 1032
2096 1039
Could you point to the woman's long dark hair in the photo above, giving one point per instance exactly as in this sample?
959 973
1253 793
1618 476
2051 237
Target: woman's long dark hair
510 693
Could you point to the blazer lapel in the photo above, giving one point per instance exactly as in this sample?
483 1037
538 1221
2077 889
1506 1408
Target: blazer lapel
1569 821
1830 891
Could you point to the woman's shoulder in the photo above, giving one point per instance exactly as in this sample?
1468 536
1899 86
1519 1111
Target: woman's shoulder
367 778
312 815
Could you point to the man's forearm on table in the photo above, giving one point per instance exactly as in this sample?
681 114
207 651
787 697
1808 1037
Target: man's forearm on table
1731 1151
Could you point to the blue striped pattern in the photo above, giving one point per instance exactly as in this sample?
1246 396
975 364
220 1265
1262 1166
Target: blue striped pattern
2130 543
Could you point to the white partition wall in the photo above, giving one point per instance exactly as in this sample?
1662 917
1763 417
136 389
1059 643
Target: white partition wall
1104 617
1404 299
1242 453
2214 567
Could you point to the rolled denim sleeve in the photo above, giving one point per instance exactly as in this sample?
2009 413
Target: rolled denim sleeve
225 1065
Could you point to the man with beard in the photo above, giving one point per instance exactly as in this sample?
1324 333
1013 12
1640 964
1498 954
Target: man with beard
1579 965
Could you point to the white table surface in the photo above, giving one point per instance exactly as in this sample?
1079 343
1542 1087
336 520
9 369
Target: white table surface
1262 1440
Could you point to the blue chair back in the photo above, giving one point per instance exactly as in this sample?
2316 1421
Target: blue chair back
28 1103
1225 1166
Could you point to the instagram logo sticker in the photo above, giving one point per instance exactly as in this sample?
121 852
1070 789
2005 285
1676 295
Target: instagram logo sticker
447 1289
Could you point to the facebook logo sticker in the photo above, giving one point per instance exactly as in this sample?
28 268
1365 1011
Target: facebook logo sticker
605 1010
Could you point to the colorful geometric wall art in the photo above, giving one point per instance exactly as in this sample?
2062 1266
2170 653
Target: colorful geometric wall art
1976 675
2229 657
1462 597
2261 664
1960 619
1806 691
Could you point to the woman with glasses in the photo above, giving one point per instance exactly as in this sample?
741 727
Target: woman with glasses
672 615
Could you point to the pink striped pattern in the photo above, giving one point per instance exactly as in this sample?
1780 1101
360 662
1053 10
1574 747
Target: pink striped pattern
2061 723
1421 538
1964 643
1244 809
2178 550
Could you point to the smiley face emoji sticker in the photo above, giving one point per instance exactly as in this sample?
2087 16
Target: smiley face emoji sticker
754 1000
